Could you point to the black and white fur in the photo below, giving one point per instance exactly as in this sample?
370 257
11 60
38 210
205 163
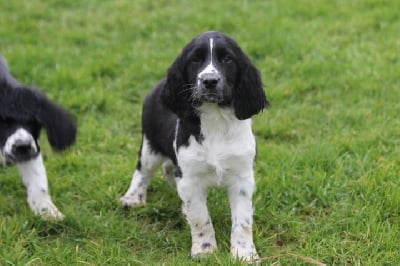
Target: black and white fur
196 124
23 112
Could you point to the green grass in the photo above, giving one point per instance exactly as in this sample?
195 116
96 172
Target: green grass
328 150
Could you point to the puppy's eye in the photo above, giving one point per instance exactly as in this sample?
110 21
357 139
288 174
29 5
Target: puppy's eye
195 60
227 59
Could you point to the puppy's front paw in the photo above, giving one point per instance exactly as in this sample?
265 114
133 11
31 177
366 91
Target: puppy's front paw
52 215
132 200
244 251
45 208
200 249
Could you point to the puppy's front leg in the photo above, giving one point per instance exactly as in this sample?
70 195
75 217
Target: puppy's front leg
194 198
34 177
240 199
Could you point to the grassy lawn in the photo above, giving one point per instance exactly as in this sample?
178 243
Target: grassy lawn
328 150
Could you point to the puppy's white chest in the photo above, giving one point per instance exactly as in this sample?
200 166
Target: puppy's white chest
218 157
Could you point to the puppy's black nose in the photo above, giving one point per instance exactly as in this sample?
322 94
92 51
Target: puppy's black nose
22 147
210 82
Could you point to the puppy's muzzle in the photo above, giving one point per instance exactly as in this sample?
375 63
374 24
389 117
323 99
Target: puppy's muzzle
211 89
210 81
23 148
20 147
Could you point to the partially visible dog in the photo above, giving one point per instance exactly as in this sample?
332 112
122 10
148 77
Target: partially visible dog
23 112
196 124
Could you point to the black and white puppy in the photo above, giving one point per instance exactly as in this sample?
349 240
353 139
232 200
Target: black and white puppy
23 112
196 124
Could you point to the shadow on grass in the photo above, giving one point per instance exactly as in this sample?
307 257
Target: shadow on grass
53 228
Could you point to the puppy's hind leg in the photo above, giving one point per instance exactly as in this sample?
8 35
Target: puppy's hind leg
148 162
168 170
34 177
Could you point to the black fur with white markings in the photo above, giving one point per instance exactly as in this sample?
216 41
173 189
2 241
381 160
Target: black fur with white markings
23 113
197 126
23 107
243 91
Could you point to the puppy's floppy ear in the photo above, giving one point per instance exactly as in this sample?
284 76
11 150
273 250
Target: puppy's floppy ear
24 104
60 126
248 96
176 92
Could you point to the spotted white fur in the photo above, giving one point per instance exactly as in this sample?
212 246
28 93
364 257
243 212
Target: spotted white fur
35 179
224 158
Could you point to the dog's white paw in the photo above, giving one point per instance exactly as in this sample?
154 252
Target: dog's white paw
45 208
132 200
244 251
202 245
200 250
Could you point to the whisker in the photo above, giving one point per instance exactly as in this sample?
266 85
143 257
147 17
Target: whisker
189 87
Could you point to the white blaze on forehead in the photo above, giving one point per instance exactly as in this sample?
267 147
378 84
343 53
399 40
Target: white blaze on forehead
210 68
211 47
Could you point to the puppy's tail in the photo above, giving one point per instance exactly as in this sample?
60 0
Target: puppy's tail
61 128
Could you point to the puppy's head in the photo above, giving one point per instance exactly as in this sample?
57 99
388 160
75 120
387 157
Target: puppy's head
213 68
18 141
23 111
